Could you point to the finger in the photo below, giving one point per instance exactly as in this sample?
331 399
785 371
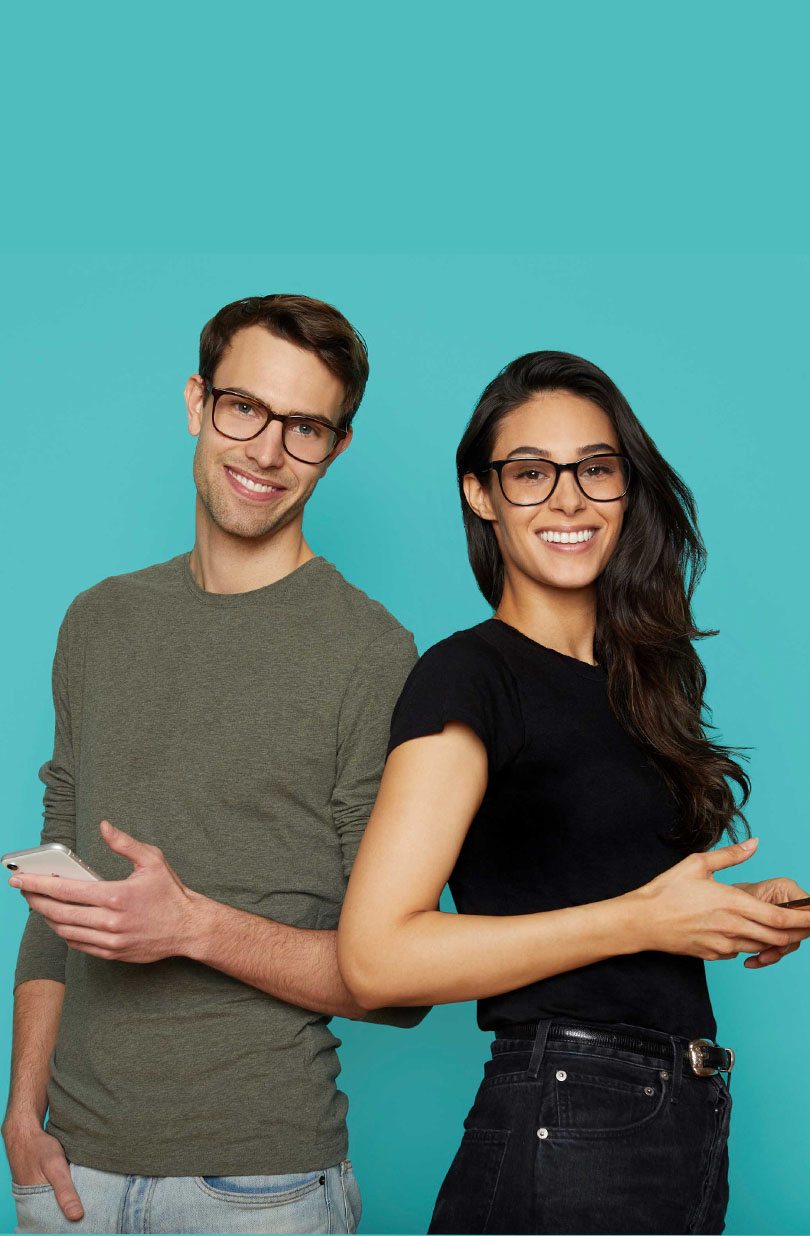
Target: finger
730 855
57 912
751 944
58 1174
769 915
761 960
79 892
138 852
763 938
769 957
86 935
105 954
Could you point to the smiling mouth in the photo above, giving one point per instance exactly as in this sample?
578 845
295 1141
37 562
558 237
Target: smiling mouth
567 538
254 486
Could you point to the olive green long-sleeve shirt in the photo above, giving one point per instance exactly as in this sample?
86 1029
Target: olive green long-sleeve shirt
244 735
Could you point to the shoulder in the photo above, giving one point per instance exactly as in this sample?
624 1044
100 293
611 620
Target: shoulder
121 591
359 620
470 651
465 678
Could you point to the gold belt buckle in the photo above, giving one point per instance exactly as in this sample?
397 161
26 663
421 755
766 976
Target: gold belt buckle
696 1058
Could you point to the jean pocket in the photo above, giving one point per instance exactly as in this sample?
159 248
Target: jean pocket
351 1196
467 1195
261 1190
603 1097
18 1190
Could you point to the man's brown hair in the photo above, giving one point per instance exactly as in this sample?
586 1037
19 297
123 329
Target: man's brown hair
307 323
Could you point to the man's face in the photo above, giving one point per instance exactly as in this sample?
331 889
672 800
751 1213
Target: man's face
287 379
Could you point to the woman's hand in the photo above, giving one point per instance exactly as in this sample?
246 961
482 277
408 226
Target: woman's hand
773 892
685 910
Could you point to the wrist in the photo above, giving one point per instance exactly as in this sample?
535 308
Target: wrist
20 1123
631 922
200 927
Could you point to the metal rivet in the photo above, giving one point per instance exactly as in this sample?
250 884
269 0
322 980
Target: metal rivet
649 1090
561 1074
541 1133
664 1076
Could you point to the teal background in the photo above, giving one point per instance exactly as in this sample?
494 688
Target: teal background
712 355
466 181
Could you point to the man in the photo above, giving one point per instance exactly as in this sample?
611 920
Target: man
221 722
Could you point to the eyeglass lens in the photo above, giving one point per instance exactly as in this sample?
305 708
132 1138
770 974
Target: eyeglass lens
309 441
526 481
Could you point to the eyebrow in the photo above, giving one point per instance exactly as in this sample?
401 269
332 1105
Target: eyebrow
312 416
591 449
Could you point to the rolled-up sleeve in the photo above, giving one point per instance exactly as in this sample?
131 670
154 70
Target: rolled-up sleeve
365 716
42 953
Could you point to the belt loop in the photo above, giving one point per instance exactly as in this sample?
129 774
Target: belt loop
677 1068
540 1039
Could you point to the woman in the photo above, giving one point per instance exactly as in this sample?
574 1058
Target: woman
552 763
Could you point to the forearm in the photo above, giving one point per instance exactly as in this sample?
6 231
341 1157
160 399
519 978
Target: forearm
37 1009
432 957
295 964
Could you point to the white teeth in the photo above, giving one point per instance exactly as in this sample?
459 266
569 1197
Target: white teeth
249 484
568 538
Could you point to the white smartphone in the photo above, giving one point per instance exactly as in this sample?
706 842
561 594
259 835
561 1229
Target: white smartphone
49 859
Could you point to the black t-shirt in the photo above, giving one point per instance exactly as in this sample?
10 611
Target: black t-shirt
574 812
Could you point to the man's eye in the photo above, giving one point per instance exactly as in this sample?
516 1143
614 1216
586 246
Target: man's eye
243 409
306 429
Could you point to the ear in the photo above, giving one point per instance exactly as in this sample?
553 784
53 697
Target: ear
477 494
339 449
195 393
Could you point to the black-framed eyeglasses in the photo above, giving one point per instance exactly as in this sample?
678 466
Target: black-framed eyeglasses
309 439
531 480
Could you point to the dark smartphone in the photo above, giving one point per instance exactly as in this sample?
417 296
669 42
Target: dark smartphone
794 905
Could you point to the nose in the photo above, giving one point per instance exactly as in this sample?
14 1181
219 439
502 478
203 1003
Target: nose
267 450
567 496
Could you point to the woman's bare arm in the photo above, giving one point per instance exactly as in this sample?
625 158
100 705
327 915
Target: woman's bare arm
396 947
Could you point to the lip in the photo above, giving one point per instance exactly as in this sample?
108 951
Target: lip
251 494
576 547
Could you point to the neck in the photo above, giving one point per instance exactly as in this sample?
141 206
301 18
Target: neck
222 562
558 618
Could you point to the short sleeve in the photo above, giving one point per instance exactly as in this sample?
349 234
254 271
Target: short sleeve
466 679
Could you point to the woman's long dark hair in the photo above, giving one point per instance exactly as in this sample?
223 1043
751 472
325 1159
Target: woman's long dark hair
644 627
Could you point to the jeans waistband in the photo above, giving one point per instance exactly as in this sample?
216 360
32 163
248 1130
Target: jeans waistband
702 1056
641 1041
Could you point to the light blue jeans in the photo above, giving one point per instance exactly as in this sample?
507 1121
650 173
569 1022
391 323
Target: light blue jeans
311 1202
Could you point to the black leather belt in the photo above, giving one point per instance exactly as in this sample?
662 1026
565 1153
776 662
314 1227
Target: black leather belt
703 1057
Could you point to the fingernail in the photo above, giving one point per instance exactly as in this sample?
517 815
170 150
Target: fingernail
74 1210
749 844
15 882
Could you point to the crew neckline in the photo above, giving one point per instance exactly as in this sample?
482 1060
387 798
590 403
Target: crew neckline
255 595
595 673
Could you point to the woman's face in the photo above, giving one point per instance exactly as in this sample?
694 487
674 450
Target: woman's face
563 427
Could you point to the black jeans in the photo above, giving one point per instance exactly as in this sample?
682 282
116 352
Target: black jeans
570 1138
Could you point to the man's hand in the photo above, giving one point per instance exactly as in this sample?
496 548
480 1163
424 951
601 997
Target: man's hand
772 891
37 1158
143 918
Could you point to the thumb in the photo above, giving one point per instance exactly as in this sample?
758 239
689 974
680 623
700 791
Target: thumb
730 855
120 842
